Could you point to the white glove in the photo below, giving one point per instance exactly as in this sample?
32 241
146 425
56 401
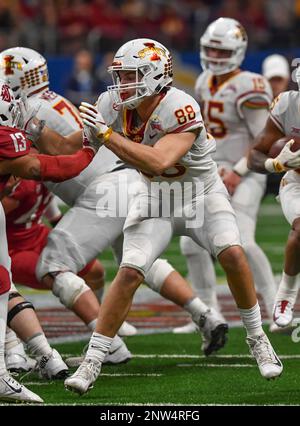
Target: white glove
94 120
90 140
26 119
285 160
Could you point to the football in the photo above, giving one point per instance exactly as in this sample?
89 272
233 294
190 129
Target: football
278 145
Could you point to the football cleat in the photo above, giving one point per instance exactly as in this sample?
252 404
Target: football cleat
118 354
283 313
190 327
52 366
213 329
281 330
268 362
127 330
13 391
17 361
84 377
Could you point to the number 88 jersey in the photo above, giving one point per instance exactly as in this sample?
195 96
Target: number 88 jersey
223 114
176 112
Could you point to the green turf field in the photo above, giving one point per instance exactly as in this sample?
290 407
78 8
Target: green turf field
168 370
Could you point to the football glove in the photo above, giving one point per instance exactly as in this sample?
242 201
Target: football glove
90 140
94 120
285 160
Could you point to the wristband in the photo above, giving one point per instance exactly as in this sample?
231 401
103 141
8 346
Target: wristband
107 135
240 168
273 166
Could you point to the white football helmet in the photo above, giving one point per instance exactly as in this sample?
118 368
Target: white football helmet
297 76
25 70
152 63
225 34
9 107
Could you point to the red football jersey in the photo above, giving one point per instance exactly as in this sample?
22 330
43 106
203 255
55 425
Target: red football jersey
23 224
13 144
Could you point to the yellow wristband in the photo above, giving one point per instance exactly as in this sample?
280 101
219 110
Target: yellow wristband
278 167
105 136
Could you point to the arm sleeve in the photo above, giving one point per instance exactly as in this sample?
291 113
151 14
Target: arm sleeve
255 119
62 167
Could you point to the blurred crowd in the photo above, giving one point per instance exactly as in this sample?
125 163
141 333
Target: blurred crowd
65 26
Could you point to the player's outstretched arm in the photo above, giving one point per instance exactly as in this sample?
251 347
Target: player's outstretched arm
46 167
258 155
154 160
52 143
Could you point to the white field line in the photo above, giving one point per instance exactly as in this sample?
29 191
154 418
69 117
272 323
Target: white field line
186 356
218 365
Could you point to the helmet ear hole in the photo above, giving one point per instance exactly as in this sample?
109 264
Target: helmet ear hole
3 117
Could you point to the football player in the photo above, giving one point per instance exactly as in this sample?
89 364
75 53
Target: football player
25 203
235 108
159 130
16 160
27 73
284 121
84 232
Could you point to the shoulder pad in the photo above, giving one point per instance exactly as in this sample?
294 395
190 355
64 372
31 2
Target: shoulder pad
255 87
179 112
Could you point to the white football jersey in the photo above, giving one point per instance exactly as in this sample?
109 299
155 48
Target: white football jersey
284 112
62 116
222 110
176 112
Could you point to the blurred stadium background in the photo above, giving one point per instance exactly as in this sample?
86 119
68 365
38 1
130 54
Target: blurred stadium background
59 29
78 38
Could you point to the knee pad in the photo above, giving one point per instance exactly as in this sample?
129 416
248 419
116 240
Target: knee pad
225 240
5 282
68 287
157 274
188 246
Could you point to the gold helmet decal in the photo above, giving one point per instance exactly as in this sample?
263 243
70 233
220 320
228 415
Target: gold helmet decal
153 50
240 33
9 65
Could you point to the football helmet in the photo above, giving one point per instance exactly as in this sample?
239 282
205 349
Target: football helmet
9 108
297 76
25 70
225 34
152 64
